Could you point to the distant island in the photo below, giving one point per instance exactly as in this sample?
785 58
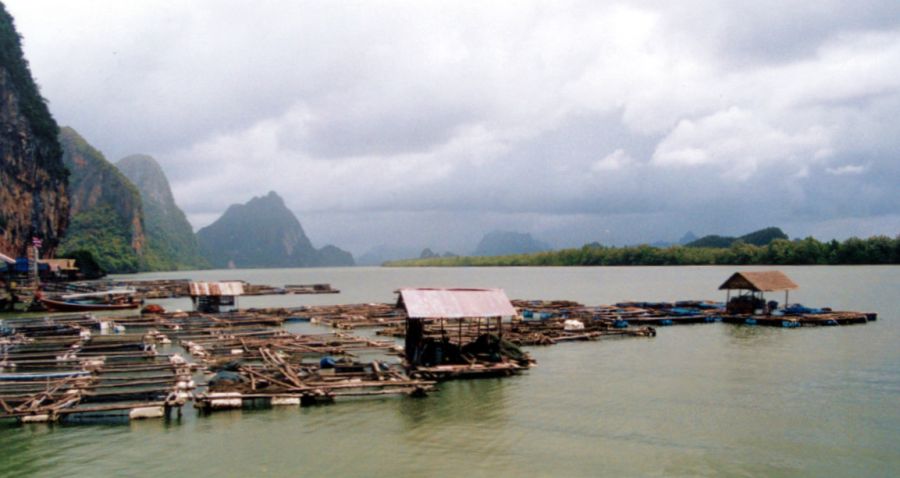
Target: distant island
763 247
499 243
264 233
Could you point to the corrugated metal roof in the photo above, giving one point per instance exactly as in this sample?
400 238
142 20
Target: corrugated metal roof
216 288
766 281
455 303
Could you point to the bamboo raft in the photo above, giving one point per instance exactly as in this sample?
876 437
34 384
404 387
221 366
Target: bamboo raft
625 314
75 366
275 381
274 368
803 320
176 288
62 371
354 315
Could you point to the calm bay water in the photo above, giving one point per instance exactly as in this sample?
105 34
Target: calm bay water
704 400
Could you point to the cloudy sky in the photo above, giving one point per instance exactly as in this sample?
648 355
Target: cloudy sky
430 123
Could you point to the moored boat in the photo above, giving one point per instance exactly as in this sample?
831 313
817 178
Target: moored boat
114 299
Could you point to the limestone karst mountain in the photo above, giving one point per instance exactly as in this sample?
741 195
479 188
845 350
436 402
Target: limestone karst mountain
264 233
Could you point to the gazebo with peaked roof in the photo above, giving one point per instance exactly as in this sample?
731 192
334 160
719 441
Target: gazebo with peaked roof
754 284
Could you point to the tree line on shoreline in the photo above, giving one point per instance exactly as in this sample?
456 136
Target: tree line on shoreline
808 251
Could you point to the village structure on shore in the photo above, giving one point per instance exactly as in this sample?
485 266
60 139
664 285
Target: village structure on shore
127 363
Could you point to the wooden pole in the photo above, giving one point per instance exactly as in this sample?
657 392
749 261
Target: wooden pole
37 277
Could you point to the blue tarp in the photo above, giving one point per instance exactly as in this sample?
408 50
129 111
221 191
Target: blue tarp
23 265
800 309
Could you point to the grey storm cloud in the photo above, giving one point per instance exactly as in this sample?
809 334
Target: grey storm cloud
430 123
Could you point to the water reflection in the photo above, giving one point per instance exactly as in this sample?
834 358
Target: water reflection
481 402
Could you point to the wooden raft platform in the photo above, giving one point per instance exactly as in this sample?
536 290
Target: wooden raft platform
66 369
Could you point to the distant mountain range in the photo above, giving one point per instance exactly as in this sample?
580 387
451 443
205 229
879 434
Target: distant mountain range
125 217
501 243
383 253
492 243
761 237
264 233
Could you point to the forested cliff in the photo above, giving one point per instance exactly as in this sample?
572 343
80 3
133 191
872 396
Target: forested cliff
33 180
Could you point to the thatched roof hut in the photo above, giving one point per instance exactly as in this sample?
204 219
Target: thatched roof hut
766 281
756 283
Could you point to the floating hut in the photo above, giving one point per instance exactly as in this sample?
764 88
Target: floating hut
449 355
214 297
751 286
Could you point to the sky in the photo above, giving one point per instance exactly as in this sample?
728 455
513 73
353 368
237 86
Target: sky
428 124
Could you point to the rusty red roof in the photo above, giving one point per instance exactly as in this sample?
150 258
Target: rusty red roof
455 303
216 288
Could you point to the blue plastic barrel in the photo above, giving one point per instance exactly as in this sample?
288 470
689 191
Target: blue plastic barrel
327 362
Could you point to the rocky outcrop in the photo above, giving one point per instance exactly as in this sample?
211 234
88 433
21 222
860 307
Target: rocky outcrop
171 243
333 256
107 217
264 233
33 180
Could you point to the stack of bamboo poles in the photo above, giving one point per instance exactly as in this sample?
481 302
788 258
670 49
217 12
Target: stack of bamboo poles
213 347
356 315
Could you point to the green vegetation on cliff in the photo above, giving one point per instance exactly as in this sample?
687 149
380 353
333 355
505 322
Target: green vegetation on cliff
101 232
106 210
31 104
33 179
809 251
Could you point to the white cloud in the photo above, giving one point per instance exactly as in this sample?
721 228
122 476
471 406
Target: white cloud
486 108
738 143
847 169
614 161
